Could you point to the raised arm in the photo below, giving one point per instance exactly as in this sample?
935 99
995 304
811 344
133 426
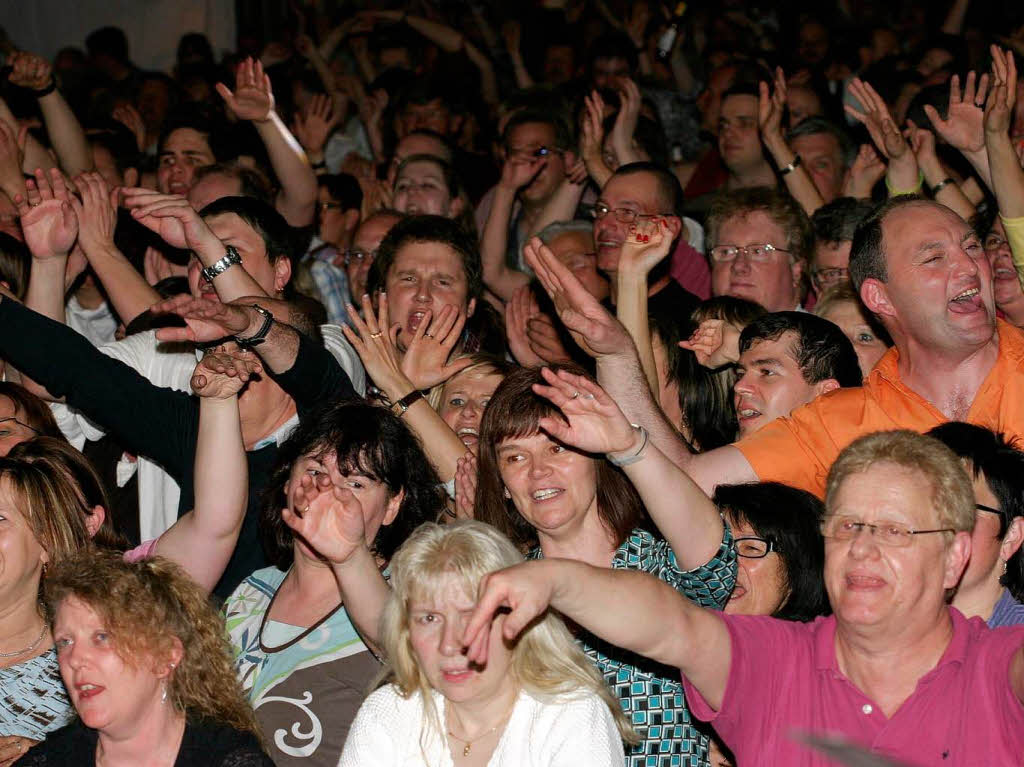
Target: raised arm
50 228
963 126
66 135
626 608
797 180
34 153
202 540
902 176
12 149
943 188
686 517
253 100
503 280
1007 175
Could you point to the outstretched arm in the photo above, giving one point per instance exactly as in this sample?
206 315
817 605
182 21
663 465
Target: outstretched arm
770 108
50 228
203 539
628 609
902 176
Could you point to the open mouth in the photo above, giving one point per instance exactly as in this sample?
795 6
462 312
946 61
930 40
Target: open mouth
415 318
86 691
546 493
469 436
967 301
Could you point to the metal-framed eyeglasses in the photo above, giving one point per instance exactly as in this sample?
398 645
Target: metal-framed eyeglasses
723 254
896 534
623 215
354 256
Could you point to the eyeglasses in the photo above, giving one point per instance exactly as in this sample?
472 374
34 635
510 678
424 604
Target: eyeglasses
753 547
532 152
993 242
723 254
20 423
886 533
622 215
323 207
358 256
989 509
829 276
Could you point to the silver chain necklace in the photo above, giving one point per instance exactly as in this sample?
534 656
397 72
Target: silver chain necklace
30 648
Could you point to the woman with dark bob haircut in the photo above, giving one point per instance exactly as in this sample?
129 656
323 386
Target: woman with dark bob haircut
358 470
781 552
544 483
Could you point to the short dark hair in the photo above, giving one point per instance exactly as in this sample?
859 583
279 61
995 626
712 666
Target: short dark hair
563 136
446 231
515 411
670 192
15 264
202 120
790 519
821 349
119 143
365 438
110 41
1002 464
812 126
278 237
867 254
251 182
837 221
344 188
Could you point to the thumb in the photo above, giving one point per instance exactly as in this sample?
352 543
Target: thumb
199 381
458 365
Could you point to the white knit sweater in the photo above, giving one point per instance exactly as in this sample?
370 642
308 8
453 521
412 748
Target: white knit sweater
565 731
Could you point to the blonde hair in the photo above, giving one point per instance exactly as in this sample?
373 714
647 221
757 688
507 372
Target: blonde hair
483 365
546 661
952 493
146 605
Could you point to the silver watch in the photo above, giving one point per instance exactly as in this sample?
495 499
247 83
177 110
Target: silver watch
231 258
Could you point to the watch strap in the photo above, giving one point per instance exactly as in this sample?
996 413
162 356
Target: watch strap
261 334
399 408
230 258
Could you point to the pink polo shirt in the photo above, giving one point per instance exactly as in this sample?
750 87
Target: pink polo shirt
784 678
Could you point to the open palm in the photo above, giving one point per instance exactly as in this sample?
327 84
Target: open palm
333 528
593 422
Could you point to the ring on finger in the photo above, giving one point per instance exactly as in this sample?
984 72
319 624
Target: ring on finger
378 334
575 395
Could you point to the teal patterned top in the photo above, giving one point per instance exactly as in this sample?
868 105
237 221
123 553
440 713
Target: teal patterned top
652 694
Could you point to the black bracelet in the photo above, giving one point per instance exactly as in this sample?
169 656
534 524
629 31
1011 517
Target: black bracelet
319 165
47 90
939 186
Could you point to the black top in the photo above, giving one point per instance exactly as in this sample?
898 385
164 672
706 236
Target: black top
204 744
161 424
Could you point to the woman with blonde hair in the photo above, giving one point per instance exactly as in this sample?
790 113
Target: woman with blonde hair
537 701
146 663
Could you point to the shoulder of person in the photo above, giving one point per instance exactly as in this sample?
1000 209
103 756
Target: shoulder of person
207 742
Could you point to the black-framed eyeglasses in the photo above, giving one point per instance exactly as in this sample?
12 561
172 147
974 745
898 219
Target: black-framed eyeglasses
20 423
886 533
622 215
758 253
752 547
359 256
989 509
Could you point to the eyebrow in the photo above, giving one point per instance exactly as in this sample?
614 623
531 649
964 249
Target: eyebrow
768 361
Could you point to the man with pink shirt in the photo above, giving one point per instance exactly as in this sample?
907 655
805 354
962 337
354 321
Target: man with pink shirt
895 670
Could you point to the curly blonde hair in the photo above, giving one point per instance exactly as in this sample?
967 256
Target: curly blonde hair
145 606
546 661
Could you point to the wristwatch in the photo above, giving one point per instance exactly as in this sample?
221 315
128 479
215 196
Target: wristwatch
406 402
230 258
261 334
791 167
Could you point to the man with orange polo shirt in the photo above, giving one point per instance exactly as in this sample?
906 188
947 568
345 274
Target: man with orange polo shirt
922 270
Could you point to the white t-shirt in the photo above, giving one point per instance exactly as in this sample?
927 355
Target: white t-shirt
98 325
567 731
171 366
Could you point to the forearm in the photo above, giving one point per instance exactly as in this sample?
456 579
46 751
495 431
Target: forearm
234 282
1007 176
313 376
798 181
523 79
903 175
950 194
497 275
488 82
954 23
36 155
631 310
444 36
561 207
66 134
128 290
297 199
364 592
45 293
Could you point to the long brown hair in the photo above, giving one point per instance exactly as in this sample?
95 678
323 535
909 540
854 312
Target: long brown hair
515 411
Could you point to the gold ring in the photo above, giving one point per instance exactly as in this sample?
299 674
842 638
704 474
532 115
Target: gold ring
378 334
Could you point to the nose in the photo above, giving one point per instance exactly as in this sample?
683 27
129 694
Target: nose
451 637
539 468
740 264
423 294
744 384
863 543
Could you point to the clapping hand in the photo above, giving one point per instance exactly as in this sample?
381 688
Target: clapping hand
29 71
1002 98
425 362
867 170
313 126
771 105
647 243
877 119
465 486
96 213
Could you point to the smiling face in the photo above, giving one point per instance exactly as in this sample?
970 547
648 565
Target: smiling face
1005 283
358 492
552 486
463 400
108 693
938 293
869 347
636 192
21 555
887 587
232 230
185 151
761 587
437 623
772 283
770 383
425 276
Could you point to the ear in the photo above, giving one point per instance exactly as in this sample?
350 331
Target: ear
171 660
394 504
351 219
797 269
131 177
470 308
824 387
957 554
282 273
876 297
674 224
456 206
1013 539
94 521
506 493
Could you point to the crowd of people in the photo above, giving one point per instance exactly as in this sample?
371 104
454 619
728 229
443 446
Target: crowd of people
583 382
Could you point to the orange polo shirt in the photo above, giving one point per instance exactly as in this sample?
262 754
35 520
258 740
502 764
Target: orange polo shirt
800 449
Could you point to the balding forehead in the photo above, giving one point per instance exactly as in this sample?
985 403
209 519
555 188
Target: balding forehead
641 187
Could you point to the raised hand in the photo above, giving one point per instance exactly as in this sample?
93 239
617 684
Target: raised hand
593 422
425 362
221 374
253 98
313 126
544 339
47 219
325 518
375 340
596 331
465 485
715 343
519 310
877 119
647 243
96 213
29 71
206 320
625 121
1003 96
867 170
963 127
170 216
518 172
771 105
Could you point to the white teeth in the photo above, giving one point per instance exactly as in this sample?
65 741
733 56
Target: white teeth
748 413
468 430
86 687
966 294
550 492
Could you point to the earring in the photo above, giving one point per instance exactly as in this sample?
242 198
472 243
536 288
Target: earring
508 495
163 697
